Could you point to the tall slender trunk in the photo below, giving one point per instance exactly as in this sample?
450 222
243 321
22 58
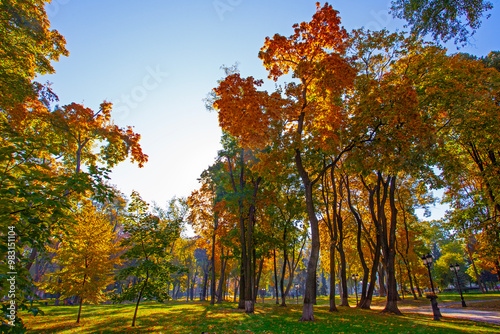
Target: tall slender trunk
282 280
378 246
81 300
478 277
330 221
79 310
204 285
392 285
241 301
249 273
410 279
343 277
222 275
236 286
359 221
307 308
139 298
257 281
419 291
333 308
275 277
401 283
283 271
188 285
212 283
245 285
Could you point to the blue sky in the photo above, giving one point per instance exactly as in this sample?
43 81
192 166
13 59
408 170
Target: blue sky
156 60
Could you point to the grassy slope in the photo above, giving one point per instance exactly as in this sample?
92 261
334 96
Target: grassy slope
197 317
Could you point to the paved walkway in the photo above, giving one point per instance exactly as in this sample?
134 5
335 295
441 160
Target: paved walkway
468 313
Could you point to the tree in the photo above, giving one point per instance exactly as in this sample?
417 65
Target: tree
40 172
80 129
469 143
205 208
444 20
28 47
392 97
314 53
147 242
86 256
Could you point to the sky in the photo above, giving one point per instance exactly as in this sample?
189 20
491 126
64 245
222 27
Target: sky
156 60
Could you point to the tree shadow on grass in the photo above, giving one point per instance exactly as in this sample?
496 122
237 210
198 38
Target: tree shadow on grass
197 317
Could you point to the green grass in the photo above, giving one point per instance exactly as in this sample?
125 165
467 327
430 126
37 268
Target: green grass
197 317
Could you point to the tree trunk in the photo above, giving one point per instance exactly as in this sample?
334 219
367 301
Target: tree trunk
382 292
79 310
376 259
333 307
307 309
343 276
193 282
359 222
392 285
275 278
419 291
410 279
139 299
188 286
249 273
315 295
241 302
222 274
212 283
478 277
204 285
236 286
256 291
282 278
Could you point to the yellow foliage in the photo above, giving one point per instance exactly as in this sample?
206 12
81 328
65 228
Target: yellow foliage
85 257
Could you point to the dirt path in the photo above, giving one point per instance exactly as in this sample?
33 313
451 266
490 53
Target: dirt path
468 313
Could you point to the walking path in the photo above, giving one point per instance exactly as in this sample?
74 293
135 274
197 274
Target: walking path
468 313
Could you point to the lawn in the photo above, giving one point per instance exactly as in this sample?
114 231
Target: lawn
198 317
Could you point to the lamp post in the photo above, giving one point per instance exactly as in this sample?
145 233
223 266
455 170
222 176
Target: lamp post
456 267
427 260
355 278
263 294
297 292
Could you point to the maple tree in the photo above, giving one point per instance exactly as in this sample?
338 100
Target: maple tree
41 176
27 176
28 47
38 182
410 194
206 205
286 231
392 97
314 53
86 256
468 147
245 185
80 129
